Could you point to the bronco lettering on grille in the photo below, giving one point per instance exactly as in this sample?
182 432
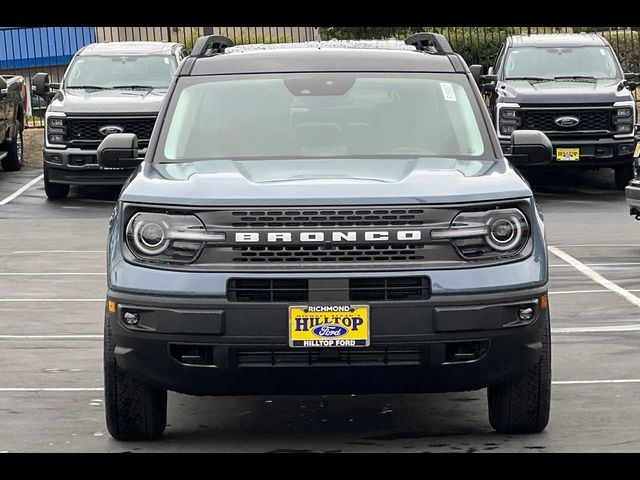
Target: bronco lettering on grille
315 237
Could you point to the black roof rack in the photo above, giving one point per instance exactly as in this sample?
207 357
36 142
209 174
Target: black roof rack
423 41
211 45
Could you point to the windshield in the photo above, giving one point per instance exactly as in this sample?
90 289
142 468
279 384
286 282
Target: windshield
327 115
152 71
549 63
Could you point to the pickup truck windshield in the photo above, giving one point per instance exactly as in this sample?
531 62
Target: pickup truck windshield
568 63
322 115
105 72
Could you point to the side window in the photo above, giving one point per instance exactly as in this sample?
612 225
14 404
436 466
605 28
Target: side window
182 54
498 61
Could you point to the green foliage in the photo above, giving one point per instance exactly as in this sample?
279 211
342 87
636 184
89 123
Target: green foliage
247 36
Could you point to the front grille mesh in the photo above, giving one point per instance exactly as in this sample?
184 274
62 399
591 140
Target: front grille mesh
83 130
332 357
596 119
341 253
328 217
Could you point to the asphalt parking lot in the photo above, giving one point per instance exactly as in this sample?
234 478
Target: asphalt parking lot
52 284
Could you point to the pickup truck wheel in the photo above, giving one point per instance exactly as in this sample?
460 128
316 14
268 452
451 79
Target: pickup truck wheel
15 154
134 409
54 191
522 404
623 175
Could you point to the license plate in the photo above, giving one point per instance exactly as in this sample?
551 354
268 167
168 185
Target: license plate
567 154
637 152
328 326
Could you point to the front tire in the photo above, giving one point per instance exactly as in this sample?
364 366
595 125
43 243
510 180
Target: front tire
623 175
522 404
54 191
134 410
15 153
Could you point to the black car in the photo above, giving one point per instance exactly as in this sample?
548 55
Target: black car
12 116
115 87
325 217
571 87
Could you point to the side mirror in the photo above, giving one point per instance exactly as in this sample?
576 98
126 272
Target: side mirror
3 87
40 84
488 82
476 72
631 80
118 150
530 147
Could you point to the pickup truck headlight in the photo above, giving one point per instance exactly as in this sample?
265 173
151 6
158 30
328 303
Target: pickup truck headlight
166 238
623 120
491 234
509 120
55 130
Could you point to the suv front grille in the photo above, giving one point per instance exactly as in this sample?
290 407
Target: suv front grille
85 132
341 253
332 357
360 289
361 217
597 119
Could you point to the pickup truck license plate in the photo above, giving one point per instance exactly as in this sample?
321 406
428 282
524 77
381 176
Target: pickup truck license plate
567 154
328 326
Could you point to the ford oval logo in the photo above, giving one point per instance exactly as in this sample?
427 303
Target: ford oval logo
329 331
109 129
567 122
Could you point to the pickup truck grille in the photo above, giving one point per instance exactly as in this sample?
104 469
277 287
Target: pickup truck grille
597 119
84 132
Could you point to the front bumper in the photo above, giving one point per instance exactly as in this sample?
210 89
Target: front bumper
75 166
594 153
414 345
632 192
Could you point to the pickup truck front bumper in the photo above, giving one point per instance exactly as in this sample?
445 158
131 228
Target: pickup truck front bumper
594 153
75 166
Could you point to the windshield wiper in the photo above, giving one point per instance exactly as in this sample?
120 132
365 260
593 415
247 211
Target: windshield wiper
532 79
135 87
89 87
577 78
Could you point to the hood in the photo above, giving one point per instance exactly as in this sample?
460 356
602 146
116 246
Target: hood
81 101
324 182
564 92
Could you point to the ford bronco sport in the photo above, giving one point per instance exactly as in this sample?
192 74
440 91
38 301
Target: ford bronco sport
325 217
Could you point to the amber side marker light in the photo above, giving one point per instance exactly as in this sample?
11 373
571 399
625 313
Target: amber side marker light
544 301
112 306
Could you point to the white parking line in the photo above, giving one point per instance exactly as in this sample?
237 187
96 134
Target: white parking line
27 252
46 274
9 300
595 276
570 292
625 264
51 337
600 245
101 389
21 190
594 382
605 329
49 389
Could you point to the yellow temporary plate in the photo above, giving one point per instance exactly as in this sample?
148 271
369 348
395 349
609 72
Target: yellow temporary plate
567 154
637 152
329 326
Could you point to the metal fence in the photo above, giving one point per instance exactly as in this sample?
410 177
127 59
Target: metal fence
28 50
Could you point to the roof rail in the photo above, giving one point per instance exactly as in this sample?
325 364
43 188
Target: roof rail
211 45
425 40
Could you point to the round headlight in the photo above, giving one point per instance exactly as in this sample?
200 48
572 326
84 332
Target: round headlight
149 237
504 233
